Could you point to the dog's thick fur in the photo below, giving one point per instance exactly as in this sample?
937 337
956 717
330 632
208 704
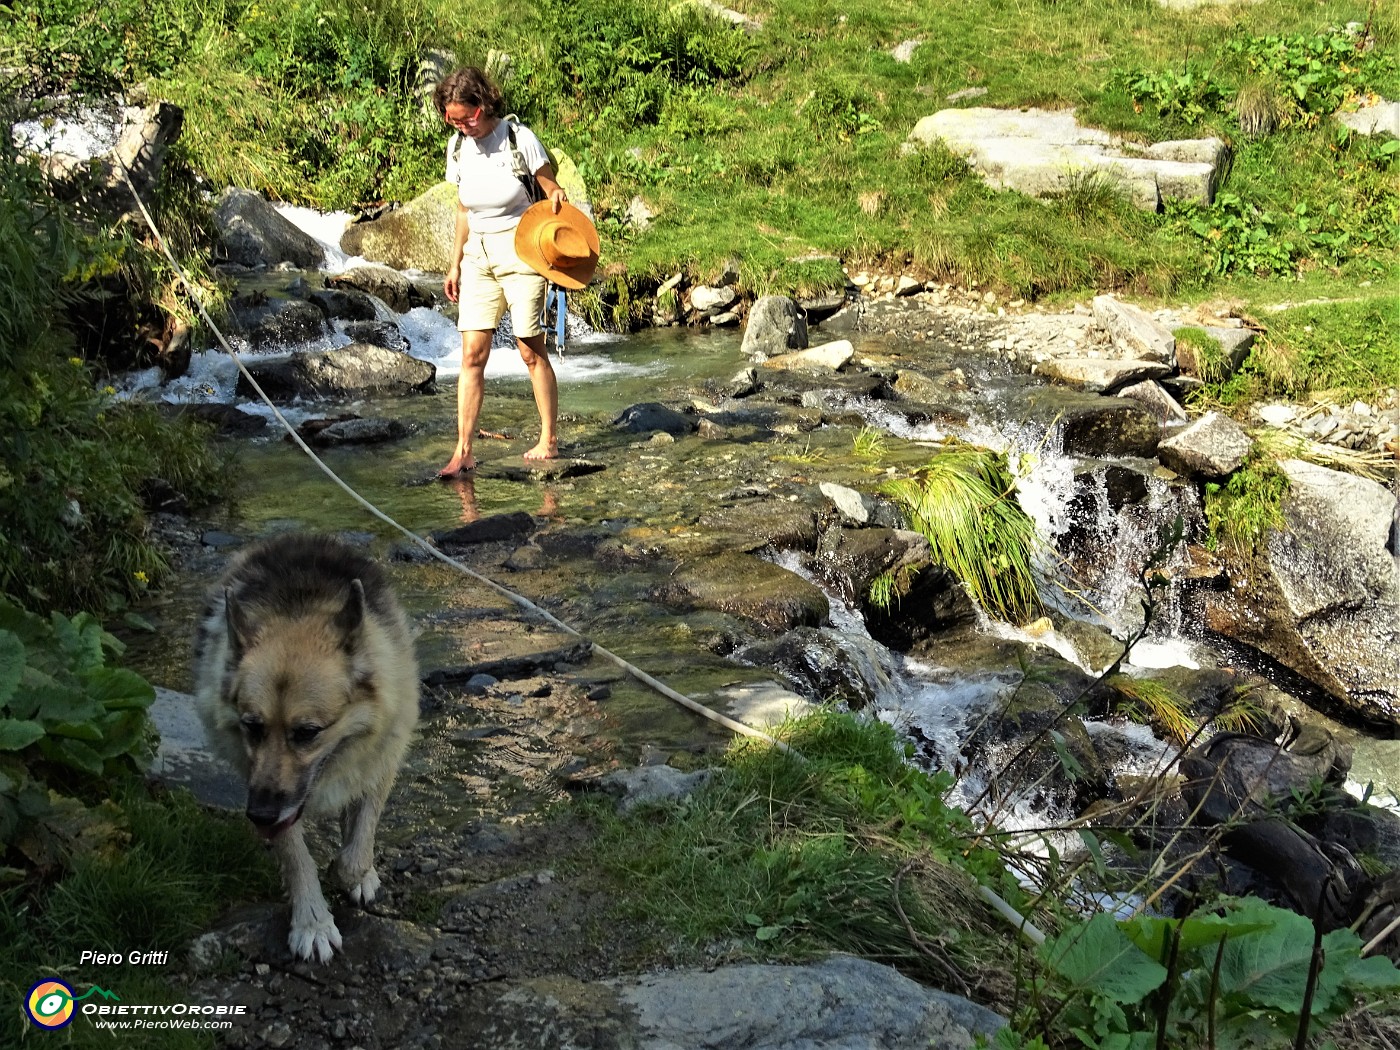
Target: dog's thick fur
307 683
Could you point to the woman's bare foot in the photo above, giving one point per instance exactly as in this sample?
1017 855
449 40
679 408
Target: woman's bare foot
458 464
544 450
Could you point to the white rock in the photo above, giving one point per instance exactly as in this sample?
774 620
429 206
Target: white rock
1277 415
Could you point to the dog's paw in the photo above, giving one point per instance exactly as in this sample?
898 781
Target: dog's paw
314 935
364 889
361 882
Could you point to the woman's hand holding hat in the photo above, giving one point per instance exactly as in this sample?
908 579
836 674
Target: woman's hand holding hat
558 242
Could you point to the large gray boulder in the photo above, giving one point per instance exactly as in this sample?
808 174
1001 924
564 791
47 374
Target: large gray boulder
417 236
839 1003
254 233
1214 446
350 371
1085 424
1134 332
842 1002
1042 152
1097 375
277 322
1322 595
776 325
390 287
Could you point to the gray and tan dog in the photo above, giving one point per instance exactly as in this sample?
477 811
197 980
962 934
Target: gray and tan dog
307 683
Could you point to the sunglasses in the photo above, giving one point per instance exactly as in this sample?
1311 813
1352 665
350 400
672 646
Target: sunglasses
471 117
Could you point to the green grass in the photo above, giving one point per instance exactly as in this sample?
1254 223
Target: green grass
1336 350
180 868
799 131
1246 508
964 503
782 857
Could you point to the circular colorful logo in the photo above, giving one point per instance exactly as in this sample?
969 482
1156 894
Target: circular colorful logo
50 1004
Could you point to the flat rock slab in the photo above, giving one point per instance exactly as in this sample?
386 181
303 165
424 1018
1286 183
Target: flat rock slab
759 704
1099 376
184 756
521 469
1378 118
745 585
1042 152
840 1003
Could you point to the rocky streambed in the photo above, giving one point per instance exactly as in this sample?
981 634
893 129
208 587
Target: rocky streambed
716 518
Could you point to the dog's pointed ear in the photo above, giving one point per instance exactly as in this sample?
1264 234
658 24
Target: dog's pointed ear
353 614
240 631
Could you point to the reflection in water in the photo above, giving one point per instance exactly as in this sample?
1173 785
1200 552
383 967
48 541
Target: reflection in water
464 485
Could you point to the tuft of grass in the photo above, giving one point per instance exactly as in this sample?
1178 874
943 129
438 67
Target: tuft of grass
1200 355
869 443
883 590
1241 714
1154 703
1261 108
183 866
964 502
1246 508
1091 196
785 857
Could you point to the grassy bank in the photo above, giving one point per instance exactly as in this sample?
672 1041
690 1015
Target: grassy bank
851 849
777 148
163 871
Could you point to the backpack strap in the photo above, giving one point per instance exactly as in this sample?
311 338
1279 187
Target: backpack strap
519 167
454 149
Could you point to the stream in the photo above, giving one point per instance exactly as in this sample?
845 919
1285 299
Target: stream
656 489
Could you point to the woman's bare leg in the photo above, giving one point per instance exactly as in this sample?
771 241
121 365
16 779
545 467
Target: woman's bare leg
546 388
476 348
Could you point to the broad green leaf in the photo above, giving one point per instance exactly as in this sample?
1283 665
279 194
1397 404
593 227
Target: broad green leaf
1373 974
123 734
68 706
15 734
1098 957
1153 935
117 688
72 753
767 933
1270 968
78 731
11 665
1343 959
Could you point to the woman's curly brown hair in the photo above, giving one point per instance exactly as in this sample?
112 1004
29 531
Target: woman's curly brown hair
468 87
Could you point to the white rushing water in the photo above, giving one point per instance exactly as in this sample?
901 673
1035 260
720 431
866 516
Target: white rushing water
212 376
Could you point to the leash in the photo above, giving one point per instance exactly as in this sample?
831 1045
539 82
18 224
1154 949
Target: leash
556 303
466 570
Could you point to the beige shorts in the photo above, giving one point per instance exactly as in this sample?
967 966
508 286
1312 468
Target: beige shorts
493 277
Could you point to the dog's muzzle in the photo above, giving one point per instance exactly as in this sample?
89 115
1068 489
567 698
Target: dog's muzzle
268 812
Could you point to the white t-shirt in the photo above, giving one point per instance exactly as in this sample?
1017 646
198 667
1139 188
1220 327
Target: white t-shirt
487 188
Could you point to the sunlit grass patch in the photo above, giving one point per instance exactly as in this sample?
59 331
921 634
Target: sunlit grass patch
963 501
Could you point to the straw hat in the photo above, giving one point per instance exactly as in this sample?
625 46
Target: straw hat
562 248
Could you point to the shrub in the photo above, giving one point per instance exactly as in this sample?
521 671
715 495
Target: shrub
73 460
66 721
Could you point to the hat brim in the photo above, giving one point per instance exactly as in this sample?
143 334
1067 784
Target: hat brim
575 275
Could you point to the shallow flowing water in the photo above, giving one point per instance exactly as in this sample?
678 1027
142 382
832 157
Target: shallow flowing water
663 488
